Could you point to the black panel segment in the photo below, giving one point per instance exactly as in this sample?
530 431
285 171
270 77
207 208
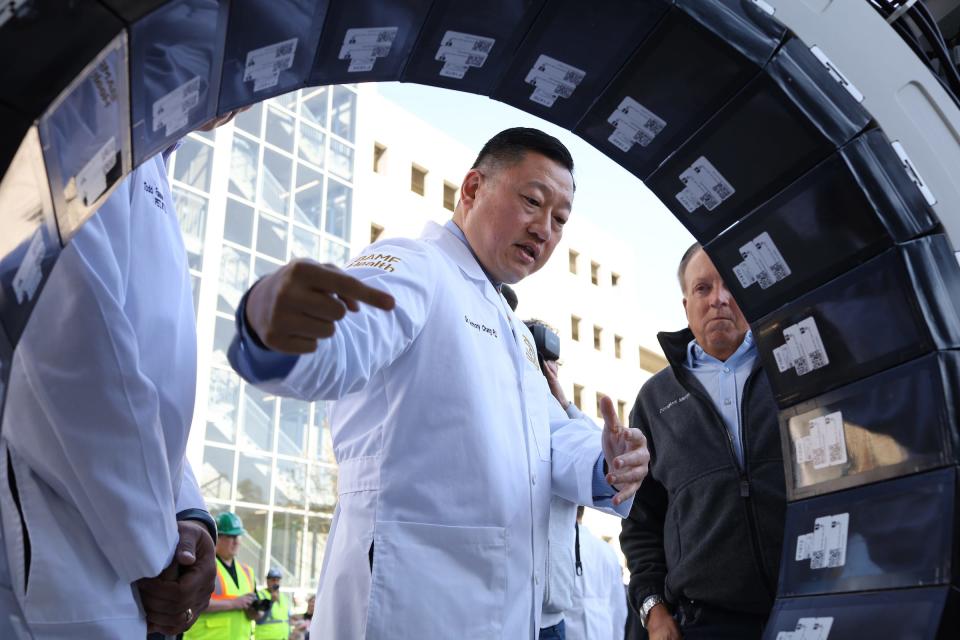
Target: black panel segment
175 53
777 128
571 53
270 48
894 423
367 40
896 307
892 534
15 126
61 38
839 214
872 615
483 40
132 10
682 74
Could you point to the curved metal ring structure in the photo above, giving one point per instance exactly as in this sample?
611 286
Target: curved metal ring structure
801 141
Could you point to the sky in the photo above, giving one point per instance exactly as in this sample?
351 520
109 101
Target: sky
612 198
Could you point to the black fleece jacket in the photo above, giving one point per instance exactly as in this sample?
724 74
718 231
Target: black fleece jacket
701 528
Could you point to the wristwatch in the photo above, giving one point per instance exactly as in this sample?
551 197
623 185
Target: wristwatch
649 603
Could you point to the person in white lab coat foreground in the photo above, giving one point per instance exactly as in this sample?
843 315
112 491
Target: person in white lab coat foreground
104 529
599 610
448 441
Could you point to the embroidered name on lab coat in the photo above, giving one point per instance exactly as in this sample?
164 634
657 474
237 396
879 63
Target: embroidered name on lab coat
375 260
482 328
154 192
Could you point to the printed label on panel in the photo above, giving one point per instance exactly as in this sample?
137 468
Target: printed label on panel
633 124
553 79
762 263
460 51
264 65
172 110
362 47
703 186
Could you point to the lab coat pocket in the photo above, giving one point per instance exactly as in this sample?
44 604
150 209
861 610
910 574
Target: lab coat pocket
16 534
58 593
431 581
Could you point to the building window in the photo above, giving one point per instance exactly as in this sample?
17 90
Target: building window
578 395
617 344
379 161
375 232
599 396
449 196
418 179
595 273
575 327
597 336
573 261
621 411
614 279
650 361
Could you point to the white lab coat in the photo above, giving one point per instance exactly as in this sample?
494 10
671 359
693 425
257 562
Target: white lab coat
561 558
448 449
599 609
98 411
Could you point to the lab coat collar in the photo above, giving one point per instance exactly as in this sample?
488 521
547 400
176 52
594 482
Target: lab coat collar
460 252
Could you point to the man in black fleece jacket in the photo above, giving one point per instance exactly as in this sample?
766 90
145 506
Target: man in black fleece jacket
704 536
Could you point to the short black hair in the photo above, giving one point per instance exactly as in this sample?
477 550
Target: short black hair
684 261
509 146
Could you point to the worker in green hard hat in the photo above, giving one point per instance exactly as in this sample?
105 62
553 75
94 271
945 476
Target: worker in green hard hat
275 624
231 612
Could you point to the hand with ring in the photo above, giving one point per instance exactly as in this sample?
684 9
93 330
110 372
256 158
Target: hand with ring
173 600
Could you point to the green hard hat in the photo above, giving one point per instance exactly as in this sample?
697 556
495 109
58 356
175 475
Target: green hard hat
229 524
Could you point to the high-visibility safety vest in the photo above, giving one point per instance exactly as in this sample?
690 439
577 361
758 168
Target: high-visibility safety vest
226 625
275 625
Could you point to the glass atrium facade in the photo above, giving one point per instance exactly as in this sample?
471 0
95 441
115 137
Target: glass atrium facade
275 185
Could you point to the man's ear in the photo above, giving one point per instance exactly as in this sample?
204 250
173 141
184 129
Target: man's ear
470 186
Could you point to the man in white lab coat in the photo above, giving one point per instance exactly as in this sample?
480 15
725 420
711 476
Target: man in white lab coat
599 610
448 441
96 496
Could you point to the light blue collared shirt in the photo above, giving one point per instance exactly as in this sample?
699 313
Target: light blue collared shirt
724 382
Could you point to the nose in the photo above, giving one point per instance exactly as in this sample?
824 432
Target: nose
540 226
721 296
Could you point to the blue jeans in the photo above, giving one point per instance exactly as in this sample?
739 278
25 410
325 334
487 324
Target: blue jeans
556 632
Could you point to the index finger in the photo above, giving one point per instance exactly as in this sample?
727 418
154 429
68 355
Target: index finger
609 414
332 280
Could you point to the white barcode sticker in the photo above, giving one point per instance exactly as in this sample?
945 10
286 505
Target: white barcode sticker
762 263
830 445
171 112
828 545
91 181
362 47
912 173
30 272
553 79
804 546
803 349
835 73
703 186
460 51
634 124
264 65
812 628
